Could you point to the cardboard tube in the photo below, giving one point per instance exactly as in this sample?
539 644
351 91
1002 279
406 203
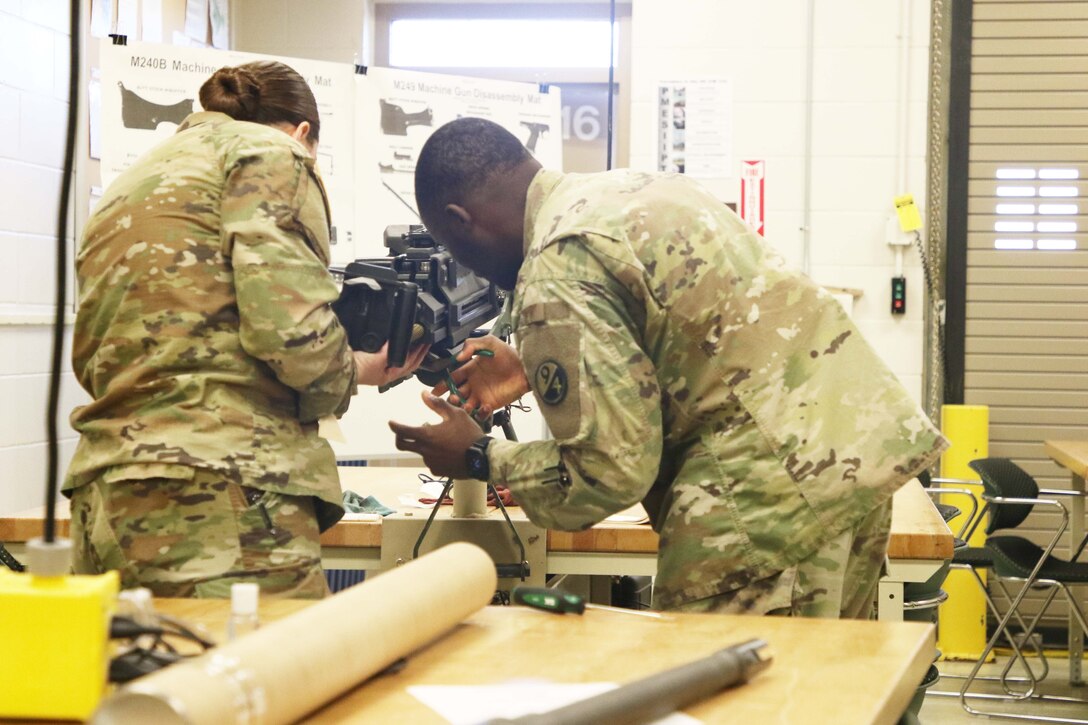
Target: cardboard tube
282 671
469 499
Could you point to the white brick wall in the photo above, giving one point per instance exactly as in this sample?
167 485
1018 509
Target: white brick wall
760 48
33 108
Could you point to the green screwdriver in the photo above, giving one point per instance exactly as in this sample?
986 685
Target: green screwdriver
550 600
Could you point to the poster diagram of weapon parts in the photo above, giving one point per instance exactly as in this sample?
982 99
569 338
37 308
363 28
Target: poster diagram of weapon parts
396 121
138 112
407 107
148 89
373 125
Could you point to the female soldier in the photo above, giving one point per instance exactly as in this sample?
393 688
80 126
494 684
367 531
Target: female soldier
205 337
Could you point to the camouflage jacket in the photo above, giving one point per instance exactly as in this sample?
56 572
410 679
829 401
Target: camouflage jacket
204 333
679 362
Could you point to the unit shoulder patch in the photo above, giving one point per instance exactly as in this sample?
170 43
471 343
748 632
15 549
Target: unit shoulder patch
550 380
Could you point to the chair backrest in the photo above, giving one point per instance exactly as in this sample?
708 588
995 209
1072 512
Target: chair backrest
1002 477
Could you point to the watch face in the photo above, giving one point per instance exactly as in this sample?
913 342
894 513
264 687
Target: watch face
476 460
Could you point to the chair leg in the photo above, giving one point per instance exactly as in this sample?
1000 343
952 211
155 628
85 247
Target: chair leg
1039 650
1031 678
1028 631
1029 583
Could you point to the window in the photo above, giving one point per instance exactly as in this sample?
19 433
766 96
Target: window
565 45
498 43
1048 223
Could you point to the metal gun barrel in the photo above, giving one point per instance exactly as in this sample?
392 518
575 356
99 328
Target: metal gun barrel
658 695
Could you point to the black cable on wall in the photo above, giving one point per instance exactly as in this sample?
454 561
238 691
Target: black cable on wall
62 276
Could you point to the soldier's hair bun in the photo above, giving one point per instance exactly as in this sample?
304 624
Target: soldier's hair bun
233 91
263 91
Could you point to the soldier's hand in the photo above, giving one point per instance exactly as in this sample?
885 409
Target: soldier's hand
442 445
486 383
372 368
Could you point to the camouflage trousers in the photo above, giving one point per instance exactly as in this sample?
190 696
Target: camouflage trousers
194 537
839 581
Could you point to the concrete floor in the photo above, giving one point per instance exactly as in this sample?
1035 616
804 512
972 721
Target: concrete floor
937 710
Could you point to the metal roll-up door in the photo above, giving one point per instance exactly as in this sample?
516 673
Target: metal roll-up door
1026 346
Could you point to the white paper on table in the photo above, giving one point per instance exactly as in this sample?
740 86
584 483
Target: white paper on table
408 501
475 704
360 516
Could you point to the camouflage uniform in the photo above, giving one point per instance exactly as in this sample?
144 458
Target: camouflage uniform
206 340
679 362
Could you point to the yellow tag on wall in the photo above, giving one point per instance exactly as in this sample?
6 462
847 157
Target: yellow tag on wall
909 216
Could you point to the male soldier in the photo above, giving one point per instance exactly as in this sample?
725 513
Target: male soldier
678 362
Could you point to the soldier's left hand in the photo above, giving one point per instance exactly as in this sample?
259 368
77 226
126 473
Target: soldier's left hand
442 445
372 368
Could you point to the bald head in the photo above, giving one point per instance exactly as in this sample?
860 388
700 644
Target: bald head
460 158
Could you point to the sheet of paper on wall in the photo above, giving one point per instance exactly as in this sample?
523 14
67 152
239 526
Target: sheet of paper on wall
94 113
472 704
220 17
151 14
695 128
128 15
101 18
196 20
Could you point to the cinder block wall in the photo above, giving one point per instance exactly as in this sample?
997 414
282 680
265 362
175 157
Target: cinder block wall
33 110
761 49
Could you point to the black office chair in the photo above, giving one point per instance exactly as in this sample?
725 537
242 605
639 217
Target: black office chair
1011 494
974 559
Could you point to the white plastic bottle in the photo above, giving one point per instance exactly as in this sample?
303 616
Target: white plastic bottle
243 609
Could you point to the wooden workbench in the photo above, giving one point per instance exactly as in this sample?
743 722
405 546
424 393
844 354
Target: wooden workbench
841 672
919 541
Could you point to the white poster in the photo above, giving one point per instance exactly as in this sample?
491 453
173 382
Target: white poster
398 110
695 128
147 90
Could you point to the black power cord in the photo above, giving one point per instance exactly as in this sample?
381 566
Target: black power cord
148 646
62 276
10 561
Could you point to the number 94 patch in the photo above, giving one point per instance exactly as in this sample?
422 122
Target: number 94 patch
550 381
552 357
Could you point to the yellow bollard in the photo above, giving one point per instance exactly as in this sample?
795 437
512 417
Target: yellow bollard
961 621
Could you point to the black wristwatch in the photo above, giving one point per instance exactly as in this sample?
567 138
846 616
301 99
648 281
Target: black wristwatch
476 459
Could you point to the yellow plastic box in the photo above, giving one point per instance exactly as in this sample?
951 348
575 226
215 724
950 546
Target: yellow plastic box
54 636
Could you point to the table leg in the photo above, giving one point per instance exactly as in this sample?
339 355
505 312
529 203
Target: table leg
1076 636
889 601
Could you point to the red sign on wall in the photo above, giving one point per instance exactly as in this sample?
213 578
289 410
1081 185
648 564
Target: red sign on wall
751 193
